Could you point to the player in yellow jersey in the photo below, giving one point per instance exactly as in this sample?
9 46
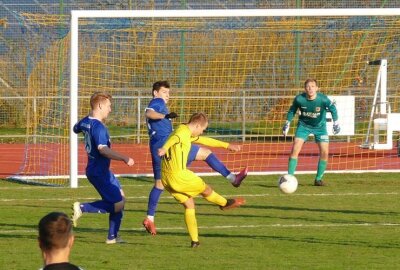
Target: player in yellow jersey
182 183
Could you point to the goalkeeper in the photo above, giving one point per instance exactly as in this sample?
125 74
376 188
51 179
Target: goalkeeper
312 120
159 126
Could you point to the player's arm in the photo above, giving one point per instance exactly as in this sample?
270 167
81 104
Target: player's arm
215 143
152 114
289 117
172 140
209 142
111 154
76 128
292 110
332 108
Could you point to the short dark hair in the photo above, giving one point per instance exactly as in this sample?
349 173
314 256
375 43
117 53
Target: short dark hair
157 86
55 230
310 80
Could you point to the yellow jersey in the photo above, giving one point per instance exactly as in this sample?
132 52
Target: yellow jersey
178 146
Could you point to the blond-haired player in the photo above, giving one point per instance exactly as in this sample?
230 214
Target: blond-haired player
100 154
159 125
182 183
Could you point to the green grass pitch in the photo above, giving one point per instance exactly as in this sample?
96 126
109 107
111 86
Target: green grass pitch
353 223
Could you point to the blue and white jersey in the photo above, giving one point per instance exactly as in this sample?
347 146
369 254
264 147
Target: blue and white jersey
159 127
95 134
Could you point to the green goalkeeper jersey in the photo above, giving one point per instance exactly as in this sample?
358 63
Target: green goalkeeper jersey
312 112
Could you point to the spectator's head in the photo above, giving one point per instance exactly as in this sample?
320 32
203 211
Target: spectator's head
55 232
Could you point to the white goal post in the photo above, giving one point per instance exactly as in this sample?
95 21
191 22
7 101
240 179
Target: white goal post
77 14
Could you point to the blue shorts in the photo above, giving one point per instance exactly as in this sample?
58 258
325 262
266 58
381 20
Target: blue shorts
320 133
155 144
107 186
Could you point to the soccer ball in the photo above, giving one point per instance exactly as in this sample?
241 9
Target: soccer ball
287 183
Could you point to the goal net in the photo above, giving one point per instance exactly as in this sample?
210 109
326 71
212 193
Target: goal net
241 67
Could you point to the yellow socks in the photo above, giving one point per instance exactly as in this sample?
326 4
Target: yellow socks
214 197
191 224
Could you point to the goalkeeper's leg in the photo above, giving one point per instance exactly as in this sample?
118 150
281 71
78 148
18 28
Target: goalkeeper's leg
323 160
296 148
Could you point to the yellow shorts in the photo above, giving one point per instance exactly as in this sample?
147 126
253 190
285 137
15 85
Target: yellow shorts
183 185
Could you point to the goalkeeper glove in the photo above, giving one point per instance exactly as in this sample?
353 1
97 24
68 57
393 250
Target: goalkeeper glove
285 128
336 128
171 115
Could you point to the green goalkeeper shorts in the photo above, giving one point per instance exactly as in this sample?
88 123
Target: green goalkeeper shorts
320 133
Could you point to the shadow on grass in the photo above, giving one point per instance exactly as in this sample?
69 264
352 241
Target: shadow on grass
321 210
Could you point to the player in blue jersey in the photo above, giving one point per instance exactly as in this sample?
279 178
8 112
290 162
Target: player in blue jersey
312 120
159 128
100 154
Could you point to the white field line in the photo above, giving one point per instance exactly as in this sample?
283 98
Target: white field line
288 226
46 187
277 225
242 195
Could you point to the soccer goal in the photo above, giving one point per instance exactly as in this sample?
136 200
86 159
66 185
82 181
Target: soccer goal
241 67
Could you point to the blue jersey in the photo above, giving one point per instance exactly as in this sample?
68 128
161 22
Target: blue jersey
160 127
95 134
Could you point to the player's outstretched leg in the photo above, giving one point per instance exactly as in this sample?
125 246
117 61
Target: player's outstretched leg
149 226
199 153
233 203
96 207
240 177
224 204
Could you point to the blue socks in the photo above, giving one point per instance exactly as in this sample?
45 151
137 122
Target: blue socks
100 207
154 197
217 165
103 207
114 224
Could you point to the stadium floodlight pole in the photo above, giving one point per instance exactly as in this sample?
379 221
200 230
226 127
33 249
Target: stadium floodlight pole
76 14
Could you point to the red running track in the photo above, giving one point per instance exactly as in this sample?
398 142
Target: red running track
259 157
